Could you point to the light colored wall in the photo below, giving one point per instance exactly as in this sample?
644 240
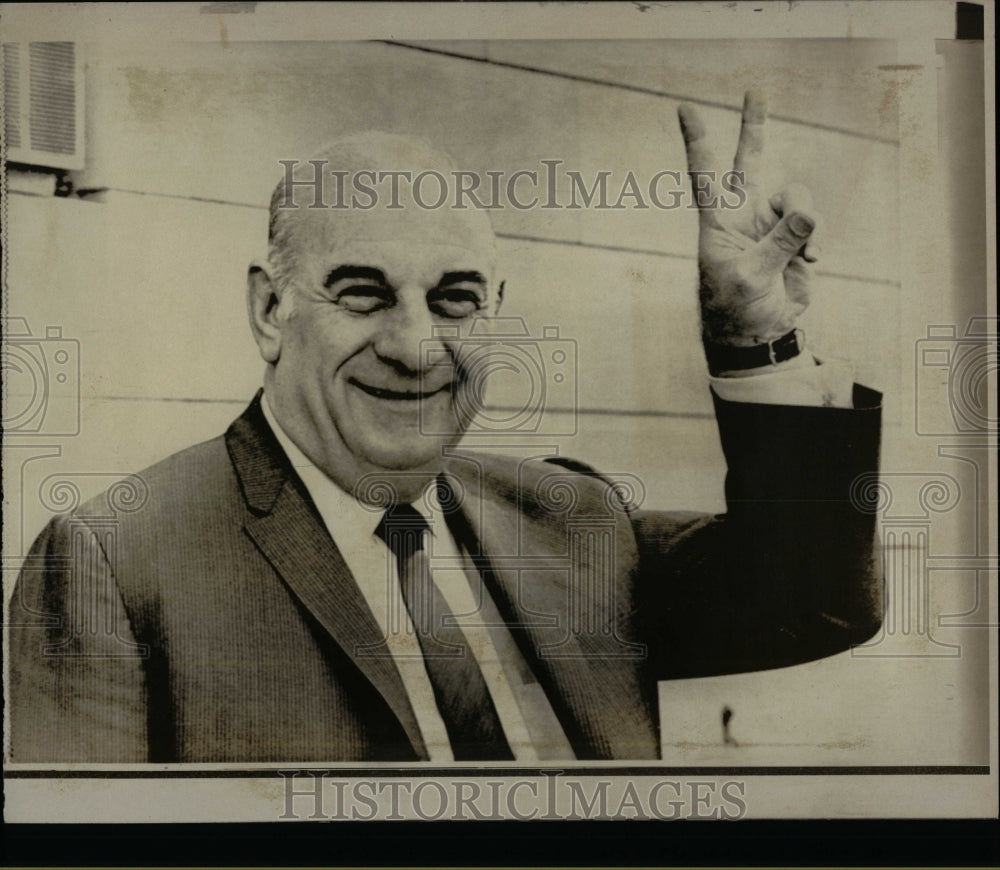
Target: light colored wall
183 143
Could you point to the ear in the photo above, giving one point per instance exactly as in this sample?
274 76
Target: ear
263 298
499 302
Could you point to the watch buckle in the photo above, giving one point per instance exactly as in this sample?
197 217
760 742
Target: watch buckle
770 352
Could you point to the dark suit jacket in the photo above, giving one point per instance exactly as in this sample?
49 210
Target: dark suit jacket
219 622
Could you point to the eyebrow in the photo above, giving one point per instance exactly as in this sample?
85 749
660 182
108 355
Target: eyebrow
349 273
472 277
368 273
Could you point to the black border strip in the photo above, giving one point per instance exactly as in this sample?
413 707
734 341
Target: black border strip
749 843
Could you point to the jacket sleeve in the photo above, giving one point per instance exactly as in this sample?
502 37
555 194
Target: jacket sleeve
77 690
791 571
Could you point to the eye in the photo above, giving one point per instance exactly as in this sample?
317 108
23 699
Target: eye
364 298
455 302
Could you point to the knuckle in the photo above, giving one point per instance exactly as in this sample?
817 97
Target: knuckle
786 242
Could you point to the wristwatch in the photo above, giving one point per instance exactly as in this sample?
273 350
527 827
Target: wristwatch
728 358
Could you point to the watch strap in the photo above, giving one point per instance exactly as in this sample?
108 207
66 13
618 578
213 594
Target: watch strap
729 358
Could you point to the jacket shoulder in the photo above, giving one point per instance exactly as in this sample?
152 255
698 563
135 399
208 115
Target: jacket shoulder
187 480
542 484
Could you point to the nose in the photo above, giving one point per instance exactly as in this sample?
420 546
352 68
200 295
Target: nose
406 342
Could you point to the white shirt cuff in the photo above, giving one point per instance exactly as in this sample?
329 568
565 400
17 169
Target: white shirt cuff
829 384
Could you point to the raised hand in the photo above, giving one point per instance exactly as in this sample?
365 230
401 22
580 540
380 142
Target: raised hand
755 260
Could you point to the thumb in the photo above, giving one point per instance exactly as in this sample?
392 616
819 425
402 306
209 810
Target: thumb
785 240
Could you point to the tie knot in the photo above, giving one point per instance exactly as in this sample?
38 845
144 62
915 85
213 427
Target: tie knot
402 528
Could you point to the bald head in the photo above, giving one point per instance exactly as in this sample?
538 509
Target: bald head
371 187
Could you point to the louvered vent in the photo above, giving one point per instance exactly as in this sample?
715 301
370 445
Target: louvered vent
43 104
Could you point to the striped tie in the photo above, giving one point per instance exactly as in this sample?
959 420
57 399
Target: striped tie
463 699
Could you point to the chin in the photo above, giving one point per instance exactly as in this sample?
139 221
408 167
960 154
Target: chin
425 454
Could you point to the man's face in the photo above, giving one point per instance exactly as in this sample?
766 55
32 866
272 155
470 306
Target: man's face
360 381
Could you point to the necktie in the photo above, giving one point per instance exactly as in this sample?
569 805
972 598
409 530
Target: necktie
474 728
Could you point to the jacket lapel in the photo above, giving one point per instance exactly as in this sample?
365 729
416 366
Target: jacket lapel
288 531
559 577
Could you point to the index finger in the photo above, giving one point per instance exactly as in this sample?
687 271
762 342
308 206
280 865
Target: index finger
750 150
699 155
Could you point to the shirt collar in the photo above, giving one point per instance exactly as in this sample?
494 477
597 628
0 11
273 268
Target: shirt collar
338 508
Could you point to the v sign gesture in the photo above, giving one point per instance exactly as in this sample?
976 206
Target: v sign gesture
754 261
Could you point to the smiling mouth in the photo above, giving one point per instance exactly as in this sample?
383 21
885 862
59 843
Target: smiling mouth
398 395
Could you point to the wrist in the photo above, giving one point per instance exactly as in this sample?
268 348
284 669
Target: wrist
758 357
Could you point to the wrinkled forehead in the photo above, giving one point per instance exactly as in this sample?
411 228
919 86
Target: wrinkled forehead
372 188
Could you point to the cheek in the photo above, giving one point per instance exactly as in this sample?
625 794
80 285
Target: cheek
325 342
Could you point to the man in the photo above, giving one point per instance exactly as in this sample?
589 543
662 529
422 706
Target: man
333 581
